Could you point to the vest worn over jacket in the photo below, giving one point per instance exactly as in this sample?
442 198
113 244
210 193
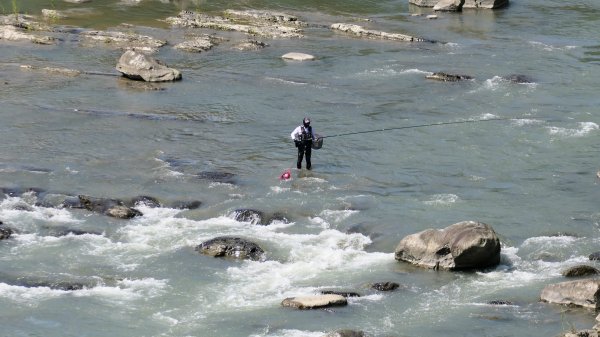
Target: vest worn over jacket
306 136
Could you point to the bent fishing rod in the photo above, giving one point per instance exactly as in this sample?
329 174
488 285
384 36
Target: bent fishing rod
431 124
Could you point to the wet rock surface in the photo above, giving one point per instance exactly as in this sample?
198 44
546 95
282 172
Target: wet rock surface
464 245
385 286
111 207
257 26
139 66
374 34
315 302
584 293
582 270
196 45
231 247
249 215
120 40
444 77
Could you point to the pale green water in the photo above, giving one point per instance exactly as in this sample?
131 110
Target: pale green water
233 112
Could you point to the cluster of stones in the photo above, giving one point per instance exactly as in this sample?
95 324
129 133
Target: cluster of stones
457 5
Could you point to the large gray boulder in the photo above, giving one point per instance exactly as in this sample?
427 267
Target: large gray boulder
232 247
138 66
583 293
464 245
449 5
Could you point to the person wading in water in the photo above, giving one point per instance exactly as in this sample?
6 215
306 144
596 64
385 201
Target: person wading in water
303 137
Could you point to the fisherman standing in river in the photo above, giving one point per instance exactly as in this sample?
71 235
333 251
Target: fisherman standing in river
303 137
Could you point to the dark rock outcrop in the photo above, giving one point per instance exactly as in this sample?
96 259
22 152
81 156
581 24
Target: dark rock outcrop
138 66
232 247
192 204
499 302
144 200
519 79
581 270
111 207
216 176
594 256
444 77
5 233
341 293
464 245
249 215
385 286
346 333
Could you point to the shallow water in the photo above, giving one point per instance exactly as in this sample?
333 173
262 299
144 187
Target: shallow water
533 178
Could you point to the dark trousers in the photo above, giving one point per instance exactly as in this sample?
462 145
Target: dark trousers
304 148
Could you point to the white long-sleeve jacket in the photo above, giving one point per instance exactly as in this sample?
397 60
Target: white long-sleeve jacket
297 133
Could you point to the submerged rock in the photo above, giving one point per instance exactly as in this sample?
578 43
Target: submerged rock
144 200
232 247
464 245
249 215
581 270
595 256
519 79
374 34
499 302
11 33
314 302
216 176
193 204
5 233
197 45
583 293
250 45
341 293
120 40
385 286
53 70
346 333
444 77
138 66
64 231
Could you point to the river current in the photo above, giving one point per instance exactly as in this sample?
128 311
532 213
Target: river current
532 177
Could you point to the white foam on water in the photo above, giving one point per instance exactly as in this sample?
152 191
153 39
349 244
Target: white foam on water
29 296
126 290
279 189
494 83
9 214
159 316
525 121
584 129
549 47
284 81
311 257
442 200
336 216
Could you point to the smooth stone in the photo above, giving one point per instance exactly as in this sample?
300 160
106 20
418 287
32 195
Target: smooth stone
581 270
139 66
314 302
298 56
584 293
449 5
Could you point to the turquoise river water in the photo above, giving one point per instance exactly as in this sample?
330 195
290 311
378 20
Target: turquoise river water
532 177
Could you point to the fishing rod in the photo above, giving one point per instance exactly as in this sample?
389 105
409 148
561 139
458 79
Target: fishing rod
428 125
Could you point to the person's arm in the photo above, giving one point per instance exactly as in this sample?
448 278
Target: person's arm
296 134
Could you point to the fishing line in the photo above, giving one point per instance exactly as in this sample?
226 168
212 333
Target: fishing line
428 125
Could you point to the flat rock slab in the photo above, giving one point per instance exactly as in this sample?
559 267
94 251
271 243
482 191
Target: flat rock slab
196 45
298 57
315 302
374 34
12 33
583 293
120 40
